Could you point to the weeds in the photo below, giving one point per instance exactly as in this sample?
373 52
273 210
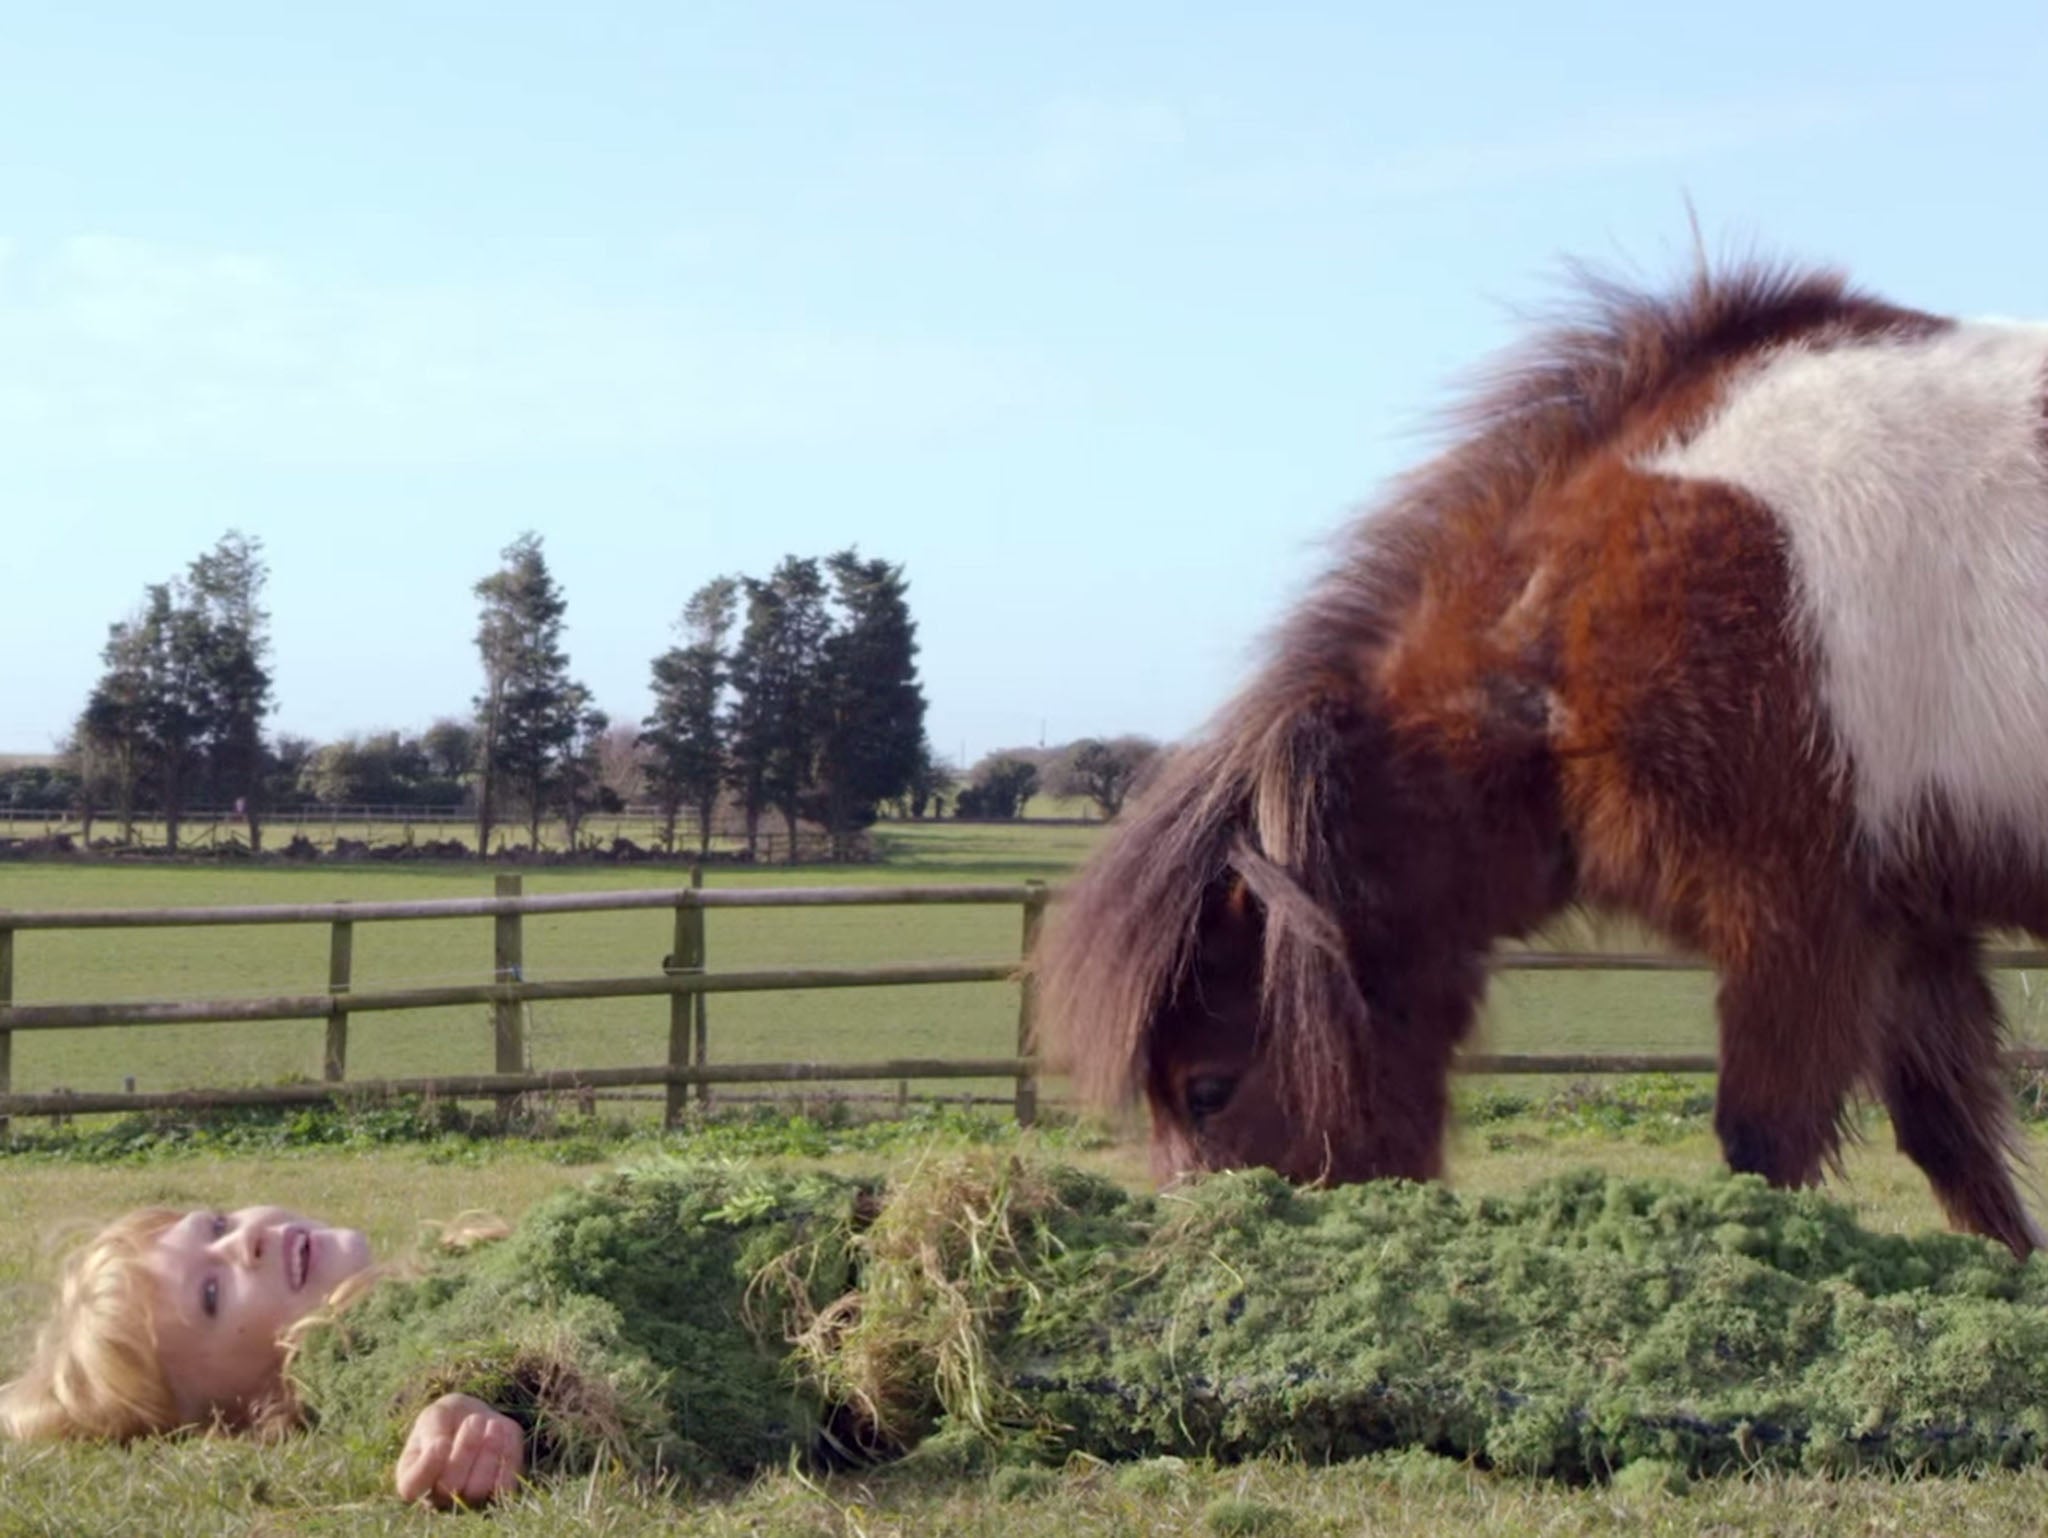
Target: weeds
447 1132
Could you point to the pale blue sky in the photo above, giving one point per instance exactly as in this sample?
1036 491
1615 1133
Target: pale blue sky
1097 317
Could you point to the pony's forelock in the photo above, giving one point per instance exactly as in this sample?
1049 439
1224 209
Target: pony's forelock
1247 805
1119 941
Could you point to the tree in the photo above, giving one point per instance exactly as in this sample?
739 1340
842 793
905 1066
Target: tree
930 782
530 709
174 700
333 773
579 780
872 738
180 707
385 768
112 734
380 768
685 735
450 746
1002 784
283 764
1104 772
778 711
39 787
621 765
223 592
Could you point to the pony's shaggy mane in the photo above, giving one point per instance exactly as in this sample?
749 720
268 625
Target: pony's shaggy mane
1259 796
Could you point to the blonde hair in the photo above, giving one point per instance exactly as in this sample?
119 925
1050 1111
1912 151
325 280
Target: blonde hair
95 1373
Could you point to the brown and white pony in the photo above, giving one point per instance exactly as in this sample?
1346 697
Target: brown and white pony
1729 611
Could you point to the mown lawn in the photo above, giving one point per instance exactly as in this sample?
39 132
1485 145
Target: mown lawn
311 1485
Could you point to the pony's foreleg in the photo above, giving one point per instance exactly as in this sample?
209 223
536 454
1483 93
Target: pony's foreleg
1951 1112
1795 1038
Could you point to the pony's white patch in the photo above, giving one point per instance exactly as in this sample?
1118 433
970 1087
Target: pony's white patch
1909 477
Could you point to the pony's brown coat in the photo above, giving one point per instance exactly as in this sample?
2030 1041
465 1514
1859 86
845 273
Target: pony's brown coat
1539 675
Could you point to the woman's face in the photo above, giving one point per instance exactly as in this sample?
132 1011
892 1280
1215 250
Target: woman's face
228 1285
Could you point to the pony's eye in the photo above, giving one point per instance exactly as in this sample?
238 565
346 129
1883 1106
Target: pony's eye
1208 1093
209 1297
220 1224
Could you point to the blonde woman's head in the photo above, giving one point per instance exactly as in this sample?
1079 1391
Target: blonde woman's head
168 1319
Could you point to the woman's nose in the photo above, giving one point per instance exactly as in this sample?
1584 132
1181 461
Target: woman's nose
245 1243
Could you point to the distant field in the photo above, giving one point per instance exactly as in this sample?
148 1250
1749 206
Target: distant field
1528 1012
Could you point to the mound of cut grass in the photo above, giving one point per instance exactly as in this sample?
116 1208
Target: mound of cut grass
989 1308
1566 1331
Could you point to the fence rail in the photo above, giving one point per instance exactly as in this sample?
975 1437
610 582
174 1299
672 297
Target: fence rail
682 977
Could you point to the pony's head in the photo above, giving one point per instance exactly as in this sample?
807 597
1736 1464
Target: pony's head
1282 943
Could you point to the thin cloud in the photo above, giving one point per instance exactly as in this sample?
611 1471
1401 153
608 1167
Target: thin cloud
1649 138
139 350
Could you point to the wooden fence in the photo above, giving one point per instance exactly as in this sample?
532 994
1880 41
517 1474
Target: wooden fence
683 977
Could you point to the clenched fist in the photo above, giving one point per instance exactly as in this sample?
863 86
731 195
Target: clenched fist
460 1449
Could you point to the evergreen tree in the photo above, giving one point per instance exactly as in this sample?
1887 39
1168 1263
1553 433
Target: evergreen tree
747 723
872 744
579 781
223 592
175 704
529 710
780 698
112 735
685 733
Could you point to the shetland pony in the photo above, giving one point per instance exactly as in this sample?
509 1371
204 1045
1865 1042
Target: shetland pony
1727 610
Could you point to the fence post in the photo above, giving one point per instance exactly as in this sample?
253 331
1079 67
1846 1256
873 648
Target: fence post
6 1036
507 966
1027 1004
687 956
340 952
700 1024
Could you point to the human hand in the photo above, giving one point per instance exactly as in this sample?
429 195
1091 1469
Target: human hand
460 1449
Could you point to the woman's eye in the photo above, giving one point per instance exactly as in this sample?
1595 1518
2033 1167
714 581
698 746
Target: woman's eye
209 1297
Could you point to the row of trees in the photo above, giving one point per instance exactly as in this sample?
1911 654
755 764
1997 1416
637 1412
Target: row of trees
793 695
797 694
